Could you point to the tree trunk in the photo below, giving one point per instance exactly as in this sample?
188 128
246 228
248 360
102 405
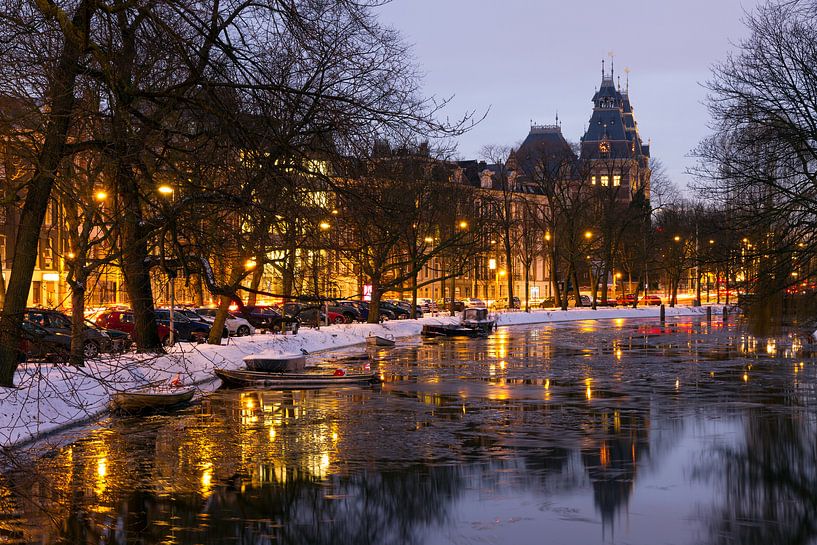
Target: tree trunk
374 304
527 288
198 291
60 104
77 357
414 295
255 282
509 267
554 278
576 287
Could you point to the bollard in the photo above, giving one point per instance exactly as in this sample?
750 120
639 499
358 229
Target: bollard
663 313
725 315
708 314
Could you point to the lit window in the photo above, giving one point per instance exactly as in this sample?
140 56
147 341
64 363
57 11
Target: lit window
617 180
605 181
593 180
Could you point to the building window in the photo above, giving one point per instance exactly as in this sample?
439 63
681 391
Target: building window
616 180
605 181
593 180
37 292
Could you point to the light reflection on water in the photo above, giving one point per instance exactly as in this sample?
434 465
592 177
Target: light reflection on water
594 432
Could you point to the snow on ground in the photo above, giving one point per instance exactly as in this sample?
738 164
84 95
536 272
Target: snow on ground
52 397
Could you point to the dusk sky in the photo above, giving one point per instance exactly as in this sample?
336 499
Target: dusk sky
526 59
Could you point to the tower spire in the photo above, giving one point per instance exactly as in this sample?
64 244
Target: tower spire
602 69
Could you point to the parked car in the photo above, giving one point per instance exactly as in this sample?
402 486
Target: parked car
584 299
122 320
385 313
444 304
236 325
397 311
186 329
350 313
361 307
627 300
650 300
39 343
548 302
605 303
472 302
406 305
94 340
426 304
312 315
270 318
503 303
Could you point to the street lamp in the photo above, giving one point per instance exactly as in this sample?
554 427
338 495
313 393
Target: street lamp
167 191
463 224
588 235
324 225
100 195
492 266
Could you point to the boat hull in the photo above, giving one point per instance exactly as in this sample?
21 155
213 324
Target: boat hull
376 340
284 381
151 399
451 331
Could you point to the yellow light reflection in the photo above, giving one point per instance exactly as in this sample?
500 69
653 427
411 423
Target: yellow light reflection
547 384
206 478
677 383
745 377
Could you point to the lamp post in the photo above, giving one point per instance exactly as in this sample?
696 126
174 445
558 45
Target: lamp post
492 266
168 191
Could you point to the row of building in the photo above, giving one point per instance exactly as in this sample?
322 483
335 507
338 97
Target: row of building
618 161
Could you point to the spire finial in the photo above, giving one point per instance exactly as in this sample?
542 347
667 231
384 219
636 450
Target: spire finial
618 79
627 80
612 56
602 68
557 117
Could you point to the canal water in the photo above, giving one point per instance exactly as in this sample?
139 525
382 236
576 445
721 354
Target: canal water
617 431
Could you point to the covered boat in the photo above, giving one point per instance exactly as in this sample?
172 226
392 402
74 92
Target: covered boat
478 318
288 380
151 398
452 331
275 362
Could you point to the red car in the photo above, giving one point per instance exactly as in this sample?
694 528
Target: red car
122 320
650 300
627 300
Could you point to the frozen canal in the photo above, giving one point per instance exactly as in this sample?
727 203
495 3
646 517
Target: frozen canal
618 431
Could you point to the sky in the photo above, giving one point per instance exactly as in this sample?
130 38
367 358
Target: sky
524 60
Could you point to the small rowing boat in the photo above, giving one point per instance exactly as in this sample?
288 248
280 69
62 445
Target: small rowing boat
377 340
244 379
151 398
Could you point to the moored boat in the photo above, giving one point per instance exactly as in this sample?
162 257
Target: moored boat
288 380
452 331
478 318
151 398
378 340
277 363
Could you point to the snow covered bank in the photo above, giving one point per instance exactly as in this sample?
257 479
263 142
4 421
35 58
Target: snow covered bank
52 397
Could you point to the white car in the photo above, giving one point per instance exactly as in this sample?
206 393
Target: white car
236 325
473 302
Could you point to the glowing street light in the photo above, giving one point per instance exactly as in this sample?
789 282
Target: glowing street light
547 236
428 240
165 190
250 264
463 224
324 225
100 195
676 238
588 235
